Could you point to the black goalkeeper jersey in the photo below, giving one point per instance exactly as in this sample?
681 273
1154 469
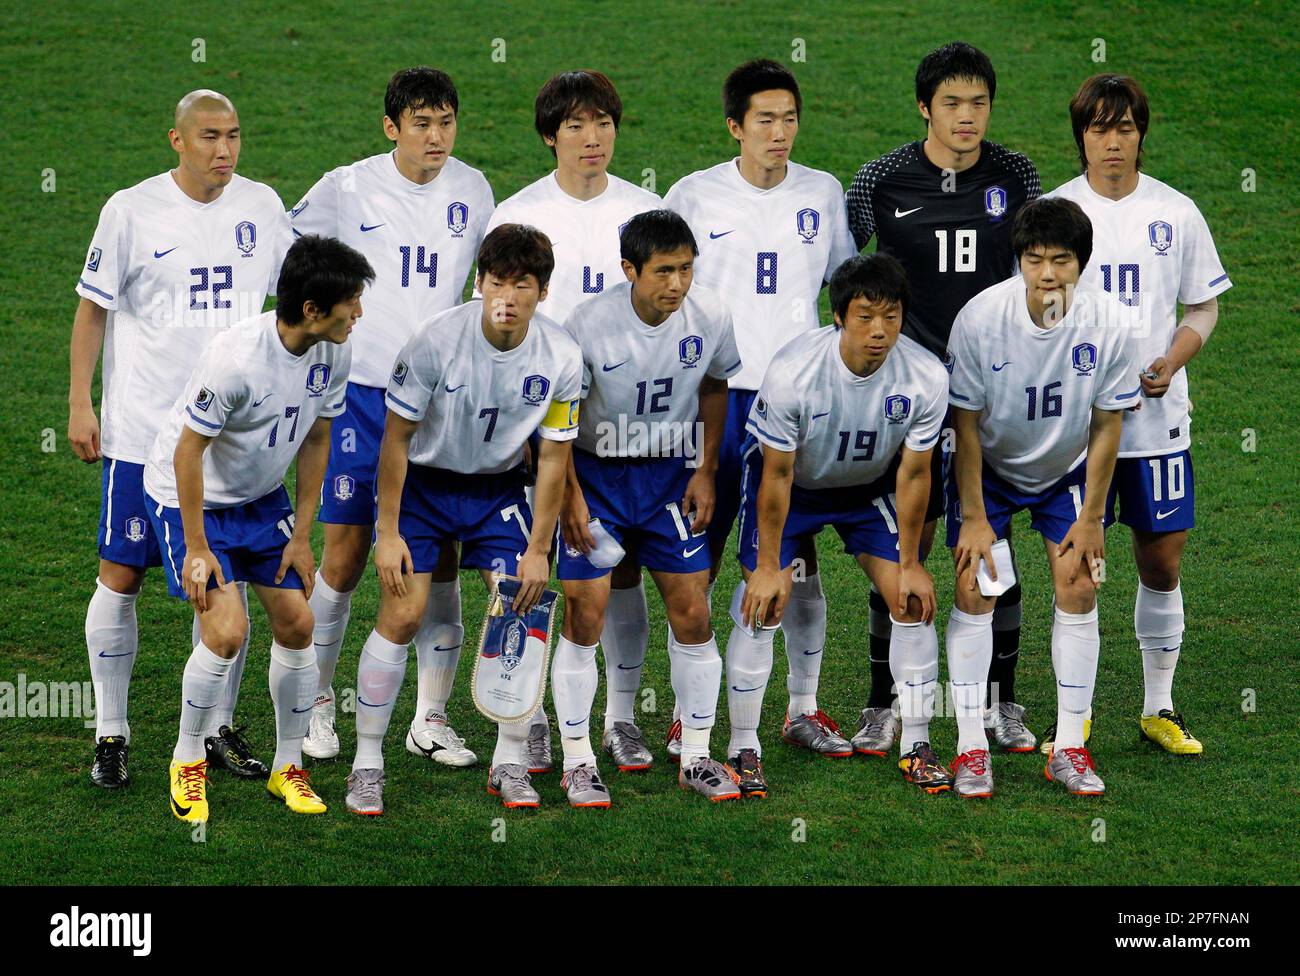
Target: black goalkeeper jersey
952 235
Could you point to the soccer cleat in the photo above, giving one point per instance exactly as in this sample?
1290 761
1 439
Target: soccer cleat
293 786
109 770
229 750
537 751
322 741
1049 737
510 782
583 787
817 733
189 792
1168 730
972 774
710 778
1075 770
625 744
877 732
748 767
675 741
922 768
435 739
366 792
1007 723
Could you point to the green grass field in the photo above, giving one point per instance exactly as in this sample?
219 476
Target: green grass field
89 91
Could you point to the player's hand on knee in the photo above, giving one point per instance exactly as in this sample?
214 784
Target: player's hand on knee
392 561
1084 547
765 598
975 542
83 434
916 582
200 565
702 498
297 555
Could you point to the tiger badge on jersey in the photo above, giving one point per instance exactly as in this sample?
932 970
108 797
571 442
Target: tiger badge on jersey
318 378
92 259
690 351
457 218
807 222
135 529
1161 236
535 389
344 487
203 399
995 202
897 408
246 236
1084 358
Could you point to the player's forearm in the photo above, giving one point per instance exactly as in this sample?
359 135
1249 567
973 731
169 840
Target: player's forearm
912 492
393 462
313 457
552 463
970 471
713 417
187 462
773 509
88 327
1103 446
1187 343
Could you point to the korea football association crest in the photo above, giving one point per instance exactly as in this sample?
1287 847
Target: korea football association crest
318 378
344 487
1161 236
807 221
995 202
246 236
135 530
690 350
1084 358
535 389
457 218
897 408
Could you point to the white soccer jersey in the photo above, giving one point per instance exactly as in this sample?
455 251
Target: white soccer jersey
257 401
1035 388
421 241
766 252
846 429
477 406
584 235
172 273
1153 250
648 376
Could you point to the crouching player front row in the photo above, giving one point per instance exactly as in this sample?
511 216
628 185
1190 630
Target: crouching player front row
263 393
841 434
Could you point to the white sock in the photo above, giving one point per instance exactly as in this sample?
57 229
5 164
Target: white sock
293 677
1076 644
437 649
749 665
111 641
540 718
573 689
804 626
1158 621
914 663
696 671
201 686
510 744
970 650
224 713
379 678
331 609
623 641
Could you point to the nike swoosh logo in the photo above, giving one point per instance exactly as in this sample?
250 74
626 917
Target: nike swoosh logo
298 209
453 389
819 416
734 688
299 711
362 701
1004 657
439 647
258 403
180 809
701 718
1165 515
607 367
572 724
688 553
998 369
714 237
123 654
163 254
904 213
365 229
628 667
192 705
813 653
1064 685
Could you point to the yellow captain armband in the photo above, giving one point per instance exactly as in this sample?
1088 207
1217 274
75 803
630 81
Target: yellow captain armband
562 415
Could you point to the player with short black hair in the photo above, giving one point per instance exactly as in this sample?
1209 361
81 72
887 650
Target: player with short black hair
944 207
573 94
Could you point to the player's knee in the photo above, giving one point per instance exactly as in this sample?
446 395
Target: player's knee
1162 574
584 620
342 568
399 620
690 620
1077 597
971 600
294 629
224 638
120 578
626 575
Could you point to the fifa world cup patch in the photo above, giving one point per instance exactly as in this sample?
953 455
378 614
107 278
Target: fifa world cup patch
92 259
203 399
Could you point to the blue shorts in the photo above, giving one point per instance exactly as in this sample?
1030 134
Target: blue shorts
347 496
248 541
865 516
638 500
125 535
487 514
1156 494
730 469
1052 511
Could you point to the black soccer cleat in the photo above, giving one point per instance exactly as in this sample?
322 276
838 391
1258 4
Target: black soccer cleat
750 770
229 750
109 770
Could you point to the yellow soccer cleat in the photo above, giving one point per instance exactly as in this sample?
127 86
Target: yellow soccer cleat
189 793
291 785
1168 730
1049 737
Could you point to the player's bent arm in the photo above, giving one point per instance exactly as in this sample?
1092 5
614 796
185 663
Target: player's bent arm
88 328
912 495
535 568
1103 447
1192 333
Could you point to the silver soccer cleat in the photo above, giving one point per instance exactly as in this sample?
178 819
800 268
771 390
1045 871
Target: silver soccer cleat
711 779
674 745
972 774
625 744
366 792
322 742
537 750
583 787
510 782
878 730
435 739
817 733
1075 770
1006 721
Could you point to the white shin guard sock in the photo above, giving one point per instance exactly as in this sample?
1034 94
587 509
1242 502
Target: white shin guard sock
970 649
1076 644
511 740
379 678
914 663
1158 622
749 666
201 683
573 689
623 641
437 649
292 677
331 608
696 676
804 627
112 639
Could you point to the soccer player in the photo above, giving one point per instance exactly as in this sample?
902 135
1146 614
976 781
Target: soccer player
418 215
841 434
944 206
771 231
175 260
582 207
467 391
656 355
1153 249
1041 375
262 394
